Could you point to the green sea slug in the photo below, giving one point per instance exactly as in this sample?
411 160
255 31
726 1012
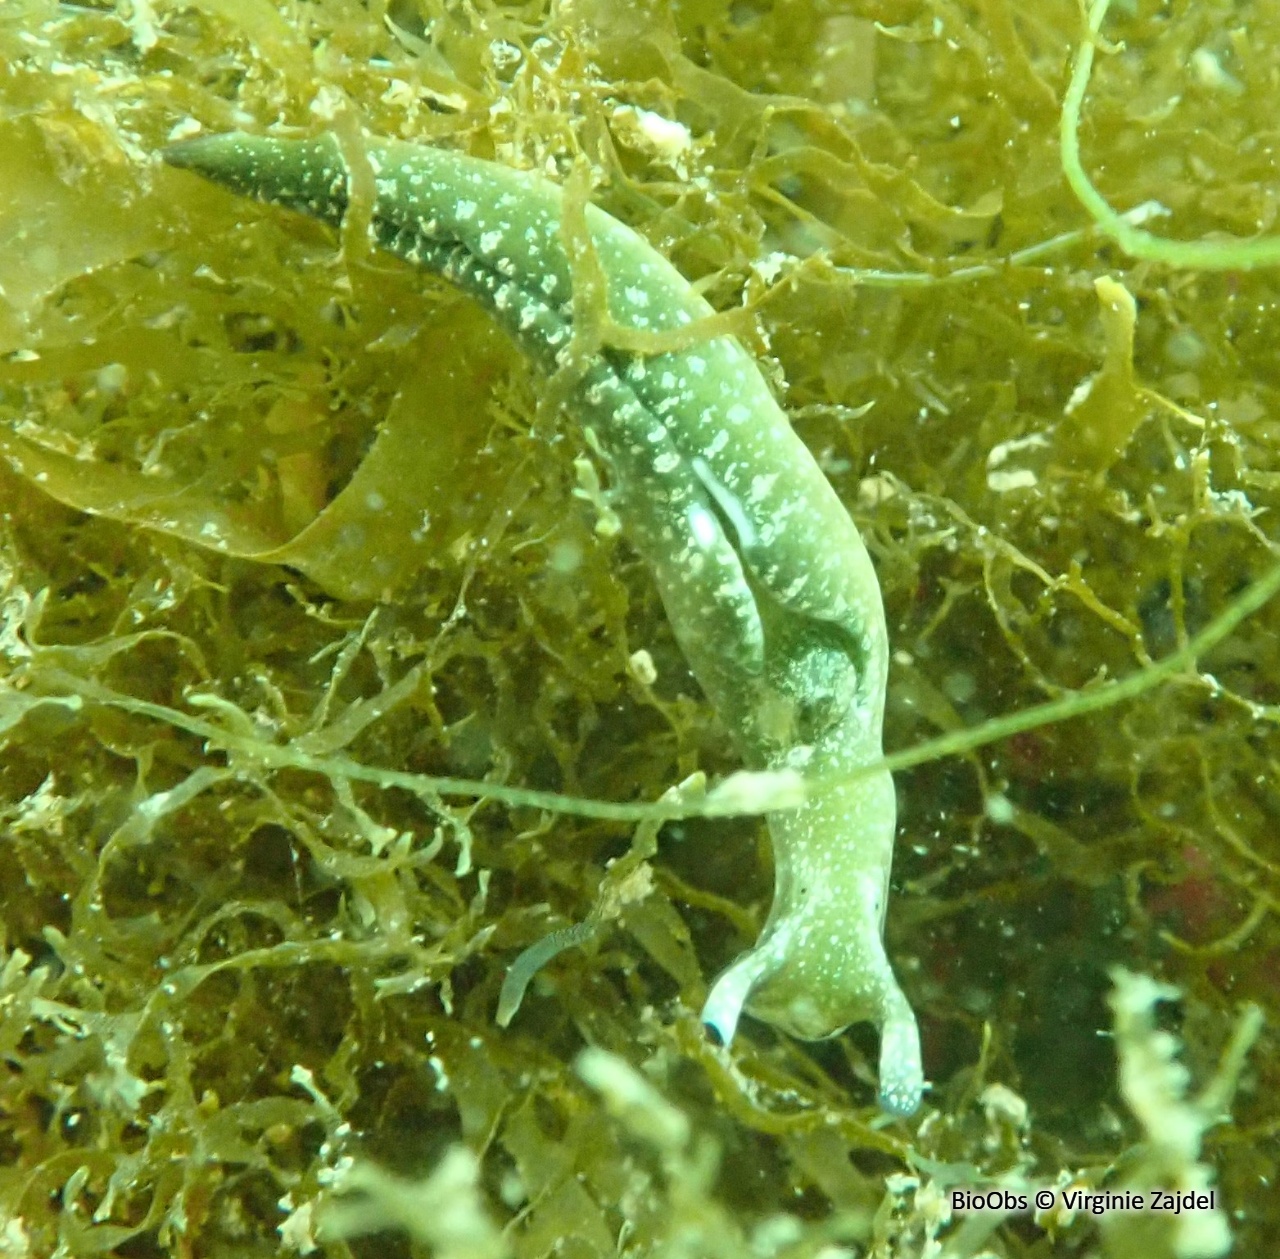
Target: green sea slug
769 590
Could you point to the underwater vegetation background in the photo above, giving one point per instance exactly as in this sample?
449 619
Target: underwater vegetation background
275 508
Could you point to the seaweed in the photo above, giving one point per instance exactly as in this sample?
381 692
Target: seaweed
323 698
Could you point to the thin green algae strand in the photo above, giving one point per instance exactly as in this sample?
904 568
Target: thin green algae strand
1204 255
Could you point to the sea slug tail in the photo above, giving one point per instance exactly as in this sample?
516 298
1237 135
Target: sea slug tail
306 175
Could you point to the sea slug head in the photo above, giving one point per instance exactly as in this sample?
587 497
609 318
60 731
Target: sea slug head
820 963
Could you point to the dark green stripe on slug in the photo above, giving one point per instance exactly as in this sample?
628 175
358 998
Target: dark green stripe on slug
763 575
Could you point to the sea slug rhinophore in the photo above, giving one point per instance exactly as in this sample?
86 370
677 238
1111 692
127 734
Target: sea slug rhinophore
769 590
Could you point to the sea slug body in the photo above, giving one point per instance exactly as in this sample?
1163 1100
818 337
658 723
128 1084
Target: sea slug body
768 587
